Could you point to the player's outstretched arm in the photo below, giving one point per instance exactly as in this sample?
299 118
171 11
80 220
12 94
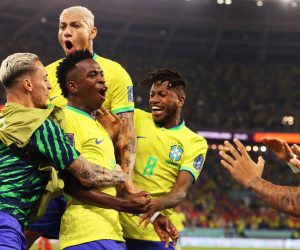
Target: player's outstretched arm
248 173
171 199
93 175
135 203
279 147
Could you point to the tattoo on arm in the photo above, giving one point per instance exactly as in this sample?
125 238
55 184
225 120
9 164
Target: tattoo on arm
93 175
127 142
284 198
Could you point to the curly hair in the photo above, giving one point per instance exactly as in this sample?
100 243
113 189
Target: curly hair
174 78
68 64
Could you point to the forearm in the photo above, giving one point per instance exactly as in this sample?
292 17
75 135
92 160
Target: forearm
93 175
284 198
170 200
128 154
88 195
127 142
96 198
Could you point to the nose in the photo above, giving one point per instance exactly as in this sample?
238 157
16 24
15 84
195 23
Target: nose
67 32
153 99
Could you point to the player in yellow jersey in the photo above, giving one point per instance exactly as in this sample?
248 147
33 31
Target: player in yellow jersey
85 226
169 159
77 31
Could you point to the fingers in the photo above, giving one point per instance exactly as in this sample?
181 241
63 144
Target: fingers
173 233
288 151
296 150
261 161
226 165
241 147
229 160
145 220
117 119
104 111
232 150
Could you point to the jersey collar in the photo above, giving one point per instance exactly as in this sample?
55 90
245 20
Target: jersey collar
180 126
80 112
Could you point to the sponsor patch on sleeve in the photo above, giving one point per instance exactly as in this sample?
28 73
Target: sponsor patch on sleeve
130 93
198 162
71 138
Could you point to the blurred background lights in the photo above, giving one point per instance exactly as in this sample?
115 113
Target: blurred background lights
259 3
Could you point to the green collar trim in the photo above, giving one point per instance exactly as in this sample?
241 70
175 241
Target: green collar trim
180 126
80 112
95 56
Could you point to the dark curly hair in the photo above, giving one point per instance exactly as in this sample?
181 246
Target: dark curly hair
174 78
68 64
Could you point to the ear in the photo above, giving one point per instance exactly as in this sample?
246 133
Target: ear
181 100
27 84
93 33
72 87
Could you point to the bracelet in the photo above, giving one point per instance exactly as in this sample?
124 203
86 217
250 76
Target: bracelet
154 216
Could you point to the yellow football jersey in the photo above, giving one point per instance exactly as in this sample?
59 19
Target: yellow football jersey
119 94
83 223
161 154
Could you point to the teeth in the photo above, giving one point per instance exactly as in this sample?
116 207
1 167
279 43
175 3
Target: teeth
155 108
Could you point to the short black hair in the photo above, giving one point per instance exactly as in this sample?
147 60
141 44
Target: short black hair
68 64
174 78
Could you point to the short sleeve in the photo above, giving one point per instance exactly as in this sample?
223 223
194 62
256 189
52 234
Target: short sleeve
194 157
53 143
122 93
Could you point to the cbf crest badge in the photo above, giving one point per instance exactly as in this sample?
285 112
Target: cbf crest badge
175 153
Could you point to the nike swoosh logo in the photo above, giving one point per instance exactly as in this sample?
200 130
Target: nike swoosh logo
51 99
98 142
139 137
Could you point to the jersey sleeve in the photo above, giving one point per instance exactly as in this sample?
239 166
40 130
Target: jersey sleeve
53 143
194 158
122 93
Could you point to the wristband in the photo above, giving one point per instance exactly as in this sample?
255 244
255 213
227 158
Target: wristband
154 216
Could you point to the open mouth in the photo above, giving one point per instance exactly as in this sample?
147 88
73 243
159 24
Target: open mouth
102 92
69 45
156 109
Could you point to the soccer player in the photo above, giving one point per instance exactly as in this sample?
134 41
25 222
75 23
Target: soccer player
248 173
169 159
26 131
85 226
77 31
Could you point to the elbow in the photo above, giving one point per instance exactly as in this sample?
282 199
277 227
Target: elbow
88 182
181 196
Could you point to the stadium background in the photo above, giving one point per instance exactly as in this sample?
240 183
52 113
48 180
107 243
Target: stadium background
241 60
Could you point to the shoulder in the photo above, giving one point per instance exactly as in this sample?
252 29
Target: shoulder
52 66
194 138
109 65
139 113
